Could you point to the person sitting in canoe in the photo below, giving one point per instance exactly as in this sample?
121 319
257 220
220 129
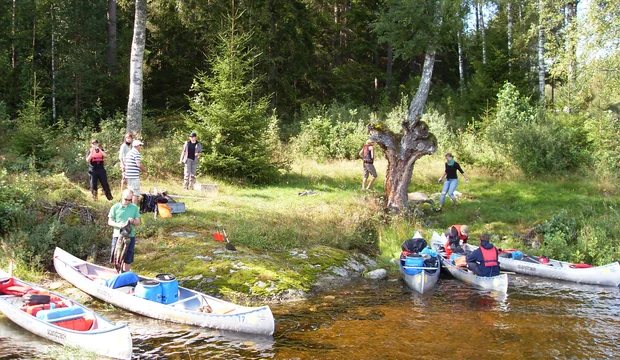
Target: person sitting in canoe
454 236
483 260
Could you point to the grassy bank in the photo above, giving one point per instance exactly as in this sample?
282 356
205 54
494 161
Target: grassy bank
288 242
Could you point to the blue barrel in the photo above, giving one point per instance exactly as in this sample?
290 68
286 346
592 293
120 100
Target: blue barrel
149 290
169 288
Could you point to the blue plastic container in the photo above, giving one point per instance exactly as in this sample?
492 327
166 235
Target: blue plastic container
61 314
453 257
517 255
414 261
149 290
169 288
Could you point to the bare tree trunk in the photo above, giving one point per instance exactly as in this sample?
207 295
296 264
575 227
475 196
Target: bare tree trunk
541 51
571 38
509 21
112 37
134 106
461 65
13 36
53 68
483 34
390 61
415 142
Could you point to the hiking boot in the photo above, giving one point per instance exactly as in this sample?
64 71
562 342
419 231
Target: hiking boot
94 192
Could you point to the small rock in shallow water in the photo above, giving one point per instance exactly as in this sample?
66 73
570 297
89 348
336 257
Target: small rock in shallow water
378 274
339 271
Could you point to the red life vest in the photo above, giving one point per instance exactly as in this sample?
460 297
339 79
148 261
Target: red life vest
489 256
96 156
458 230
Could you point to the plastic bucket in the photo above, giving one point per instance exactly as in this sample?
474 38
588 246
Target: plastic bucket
164 211
169 288
149 290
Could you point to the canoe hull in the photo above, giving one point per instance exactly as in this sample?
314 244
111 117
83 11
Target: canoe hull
96 341
606 275
421 282
257 320
495 283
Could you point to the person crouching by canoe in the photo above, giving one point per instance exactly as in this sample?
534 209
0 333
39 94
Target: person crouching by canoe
368 155
452 180
96 169
455 235
120 215
483 260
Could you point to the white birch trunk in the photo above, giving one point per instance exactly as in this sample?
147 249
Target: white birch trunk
483 35
541 51
53 67
509 21
390 60
461 61
134 106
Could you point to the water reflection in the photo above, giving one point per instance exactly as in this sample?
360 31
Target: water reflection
538 318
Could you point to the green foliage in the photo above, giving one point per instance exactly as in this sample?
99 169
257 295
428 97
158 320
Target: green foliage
232 123
535 144
32 139
333 132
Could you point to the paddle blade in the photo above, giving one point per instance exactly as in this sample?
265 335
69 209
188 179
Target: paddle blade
230 247
218 237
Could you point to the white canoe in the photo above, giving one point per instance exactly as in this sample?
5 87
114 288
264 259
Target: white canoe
496 283
224 315
420 279
104 338
608 275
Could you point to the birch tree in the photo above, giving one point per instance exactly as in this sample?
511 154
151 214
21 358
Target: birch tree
426 24
134 106
541 50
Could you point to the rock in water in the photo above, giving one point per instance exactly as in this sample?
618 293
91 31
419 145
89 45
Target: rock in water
419 197
378 274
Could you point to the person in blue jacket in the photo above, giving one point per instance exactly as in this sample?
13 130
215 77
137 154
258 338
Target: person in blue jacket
483 260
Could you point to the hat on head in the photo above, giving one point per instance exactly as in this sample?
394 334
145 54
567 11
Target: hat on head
193 134
137 143
465 230
94 141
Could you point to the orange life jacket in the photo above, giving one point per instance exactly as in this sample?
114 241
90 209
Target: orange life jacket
458 230
489 256
96 156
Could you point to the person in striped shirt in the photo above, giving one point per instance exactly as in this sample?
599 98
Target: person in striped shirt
133 168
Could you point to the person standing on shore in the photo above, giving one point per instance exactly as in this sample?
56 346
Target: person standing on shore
192 149
125 148
133 168
368 155
452 180
120 215
96 170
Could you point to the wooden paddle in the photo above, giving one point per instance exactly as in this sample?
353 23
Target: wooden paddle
229 245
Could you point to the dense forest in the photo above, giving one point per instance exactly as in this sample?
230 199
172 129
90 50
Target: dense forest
508 85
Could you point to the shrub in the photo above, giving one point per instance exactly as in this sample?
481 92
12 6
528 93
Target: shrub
537 145
332 133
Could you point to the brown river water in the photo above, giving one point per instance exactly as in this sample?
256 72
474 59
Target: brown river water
538 318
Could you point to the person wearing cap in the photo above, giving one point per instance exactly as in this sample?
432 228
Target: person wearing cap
456 236
133 168
368 155
483 261
452 180
191 151
125 148
96 170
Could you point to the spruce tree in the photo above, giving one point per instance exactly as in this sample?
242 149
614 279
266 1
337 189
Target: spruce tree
231 124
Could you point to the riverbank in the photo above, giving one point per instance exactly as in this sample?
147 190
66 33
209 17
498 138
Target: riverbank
316 228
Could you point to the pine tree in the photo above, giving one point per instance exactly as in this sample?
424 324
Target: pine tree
232 125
